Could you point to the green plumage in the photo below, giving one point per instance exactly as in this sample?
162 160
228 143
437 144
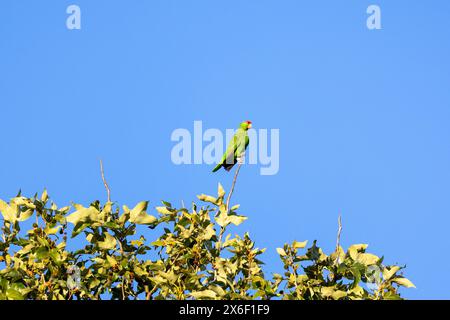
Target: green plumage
236 147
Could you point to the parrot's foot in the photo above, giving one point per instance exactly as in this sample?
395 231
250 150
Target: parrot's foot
241 159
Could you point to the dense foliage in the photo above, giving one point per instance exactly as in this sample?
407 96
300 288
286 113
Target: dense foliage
107 256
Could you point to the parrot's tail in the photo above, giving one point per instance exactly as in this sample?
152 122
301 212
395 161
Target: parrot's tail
228 166
217 167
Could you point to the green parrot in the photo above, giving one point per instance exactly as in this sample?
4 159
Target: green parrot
236 147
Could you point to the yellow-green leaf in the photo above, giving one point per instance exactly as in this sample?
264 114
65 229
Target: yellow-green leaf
206 198
404 282
163 210
338 294
209 232
89 237
49 230
137 242
109 242
12 294
44 196
299 245
7 212
25 215
139 216
112 261
236 220
222 219
220 191
388 273
355 249
83 215
366 259
205 294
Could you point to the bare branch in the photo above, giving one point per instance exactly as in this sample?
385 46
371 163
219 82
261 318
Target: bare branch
232 186
222 229
108 191
338 240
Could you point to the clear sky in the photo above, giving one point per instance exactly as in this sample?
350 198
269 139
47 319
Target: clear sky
363 114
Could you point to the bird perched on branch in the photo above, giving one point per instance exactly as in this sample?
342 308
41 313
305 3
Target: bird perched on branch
236 148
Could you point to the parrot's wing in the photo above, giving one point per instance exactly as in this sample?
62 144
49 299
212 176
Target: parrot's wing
242 142
235 149
230 155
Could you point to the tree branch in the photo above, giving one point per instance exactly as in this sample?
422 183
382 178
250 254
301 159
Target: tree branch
108 191
232 186
222 229
338 239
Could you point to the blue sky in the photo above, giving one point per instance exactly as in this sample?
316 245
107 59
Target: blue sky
363 114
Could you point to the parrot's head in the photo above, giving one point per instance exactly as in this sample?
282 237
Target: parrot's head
246 125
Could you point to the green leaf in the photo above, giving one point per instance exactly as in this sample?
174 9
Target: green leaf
326 291
7 212
281 252
94 283
403 282
137 243
44 196
55 256
205 294
49 230
163 210
205 198
358 291
222 219
157 243
89 237
139 216
209 232
339 294
235 207
41 253
167 204
220 191
139 208
355 270
218 290
366 259
109 242
338 256
236 220
111 260
299 245
25 249
25 215
355 249
79 227
12 294
389 272
391 296
83 215
124 217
